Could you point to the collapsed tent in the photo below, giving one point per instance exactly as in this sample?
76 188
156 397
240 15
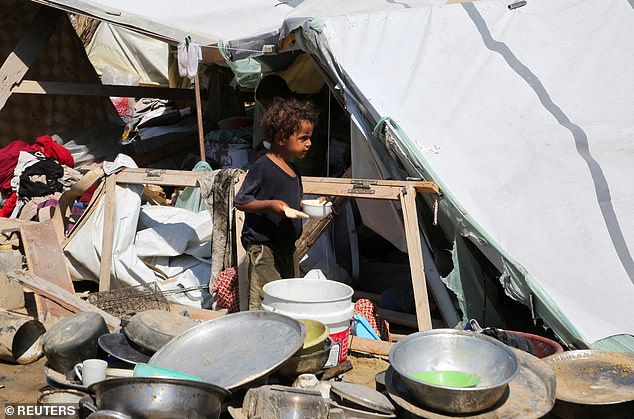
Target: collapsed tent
521 115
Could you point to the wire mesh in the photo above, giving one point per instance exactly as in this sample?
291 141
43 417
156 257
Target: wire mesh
123 301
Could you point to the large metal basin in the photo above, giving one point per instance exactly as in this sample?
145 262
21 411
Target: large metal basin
235 350
455 350
159 398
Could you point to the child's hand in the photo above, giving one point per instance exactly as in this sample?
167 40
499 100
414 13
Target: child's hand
276 206
322 199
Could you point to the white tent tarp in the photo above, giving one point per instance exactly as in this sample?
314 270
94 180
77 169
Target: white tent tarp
529 113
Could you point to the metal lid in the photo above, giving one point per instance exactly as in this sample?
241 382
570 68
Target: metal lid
152 329
363 396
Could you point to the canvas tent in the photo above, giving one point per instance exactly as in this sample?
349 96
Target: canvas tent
522 117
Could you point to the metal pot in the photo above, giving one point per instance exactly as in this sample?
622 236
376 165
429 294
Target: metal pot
159 398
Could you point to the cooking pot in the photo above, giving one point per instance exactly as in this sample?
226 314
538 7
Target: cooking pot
159 398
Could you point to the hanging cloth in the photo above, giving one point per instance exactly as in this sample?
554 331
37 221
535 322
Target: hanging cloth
189 55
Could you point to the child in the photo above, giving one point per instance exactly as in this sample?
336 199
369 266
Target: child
272 184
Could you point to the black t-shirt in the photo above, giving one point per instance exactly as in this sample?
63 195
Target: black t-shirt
266 180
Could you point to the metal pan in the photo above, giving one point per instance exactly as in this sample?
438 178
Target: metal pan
118 345
233 350
592 377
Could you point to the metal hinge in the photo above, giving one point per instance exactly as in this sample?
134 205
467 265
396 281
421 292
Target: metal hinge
154 174
363 186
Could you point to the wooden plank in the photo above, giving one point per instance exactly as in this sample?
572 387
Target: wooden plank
108 233
12 294
95 89
370 346
415 253
347 190
241 253
65 298
159 177
45 258
31 44
421 187
97 196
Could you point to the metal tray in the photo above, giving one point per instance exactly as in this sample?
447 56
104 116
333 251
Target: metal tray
235 349
531 394
592 377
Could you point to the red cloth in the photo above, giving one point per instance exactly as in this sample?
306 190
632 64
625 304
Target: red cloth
367 309
47 146
44 144
9 205
225 290
8 160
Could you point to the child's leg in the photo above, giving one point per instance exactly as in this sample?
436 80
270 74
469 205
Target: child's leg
260 270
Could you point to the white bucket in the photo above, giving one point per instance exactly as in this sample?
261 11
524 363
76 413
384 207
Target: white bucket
326 301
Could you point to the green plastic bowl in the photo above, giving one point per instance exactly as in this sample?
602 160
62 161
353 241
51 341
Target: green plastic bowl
316 334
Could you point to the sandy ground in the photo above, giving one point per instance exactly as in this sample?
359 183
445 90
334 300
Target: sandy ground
23 383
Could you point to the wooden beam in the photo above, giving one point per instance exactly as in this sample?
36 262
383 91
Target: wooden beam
159 177
199 118
107 239
29 47
420 186
352 191
65 298
211 55
95 89
370 346
415 254
45 258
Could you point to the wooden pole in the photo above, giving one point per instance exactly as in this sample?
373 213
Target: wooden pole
199 114
415 253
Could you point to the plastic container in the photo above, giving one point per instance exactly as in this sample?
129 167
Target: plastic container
326 301
543 346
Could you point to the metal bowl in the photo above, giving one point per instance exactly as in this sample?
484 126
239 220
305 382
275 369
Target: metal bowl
306 364
455 350
159 398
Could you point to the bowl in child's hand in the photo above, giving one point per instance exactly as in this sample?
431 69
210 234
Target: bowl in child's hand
316 208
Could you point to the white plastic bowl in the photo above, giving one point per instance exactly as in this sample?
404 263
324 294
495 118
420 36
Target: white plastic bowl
316 209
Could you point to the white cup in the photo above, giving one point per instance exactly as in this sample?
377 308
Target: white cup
91 371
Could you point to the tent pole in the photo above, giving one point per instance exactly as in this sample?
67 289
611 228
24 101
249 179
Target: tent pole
199 114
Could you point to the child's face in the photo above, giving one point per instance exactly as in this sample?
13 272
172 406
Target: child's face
299 143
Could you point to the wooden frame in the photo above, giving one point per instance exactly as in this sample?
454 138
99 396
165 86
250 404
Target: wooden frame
402 191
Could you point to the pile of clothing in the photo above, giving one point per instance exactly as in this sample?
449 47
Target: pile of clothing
34 176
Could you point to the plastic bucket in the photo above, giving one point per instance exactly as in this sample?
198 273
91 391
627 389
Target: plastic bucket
326 301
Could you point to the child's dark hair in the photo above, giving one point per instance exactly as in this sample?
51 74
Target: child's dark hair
284 117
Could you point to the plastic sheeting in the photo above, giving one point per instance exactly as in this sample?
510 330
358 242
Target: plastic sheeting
173 239
129 51
524 118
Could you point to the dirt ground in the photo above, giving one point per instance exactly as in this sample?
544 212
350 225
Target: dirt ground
23 383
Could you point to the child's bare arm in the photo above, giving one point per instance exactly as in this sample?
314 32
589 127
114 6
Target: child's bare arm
273 205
